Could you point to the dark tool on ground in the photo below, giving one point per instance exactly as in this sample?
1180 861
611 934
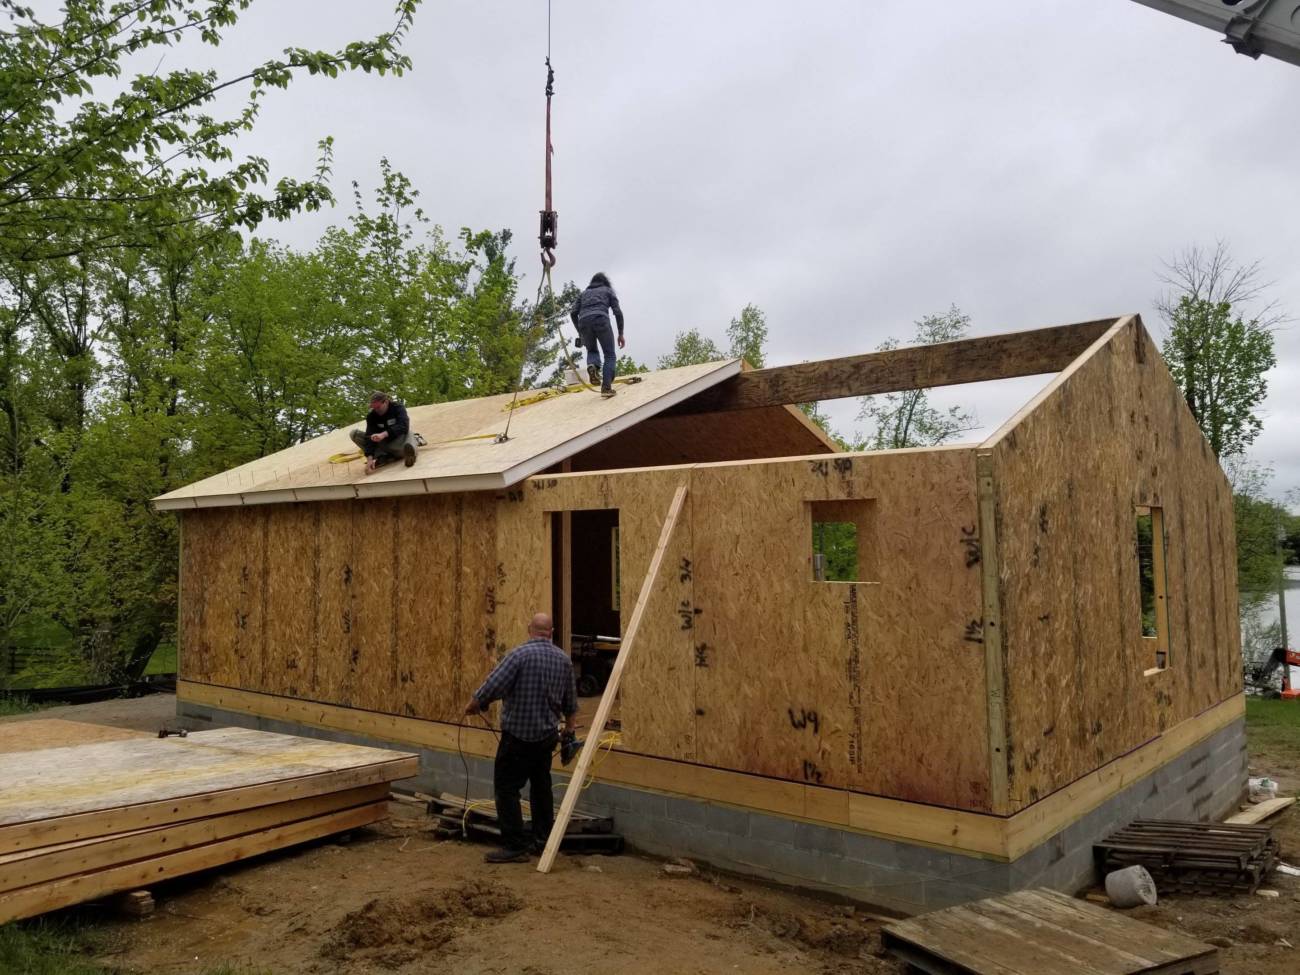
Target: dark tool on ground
570 745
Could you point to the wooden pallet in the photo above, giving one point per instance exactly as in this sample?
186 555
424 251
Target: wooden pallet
1041 932
585 833
1190 857
88 821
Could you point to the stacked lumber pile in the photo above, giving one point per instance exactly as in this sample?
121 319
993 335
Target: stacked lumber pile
82 822
1193 858
478 820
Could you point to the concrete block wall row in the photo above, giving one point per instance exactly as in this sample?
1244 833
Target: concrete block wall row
1206 782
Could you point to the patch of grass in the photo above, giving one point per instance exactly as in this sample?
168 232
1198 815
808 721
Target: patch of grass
45 948
17 704
1274 725
163 660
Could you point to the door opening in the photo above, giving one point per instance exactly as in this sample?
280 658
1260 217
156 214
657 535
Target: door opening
586 596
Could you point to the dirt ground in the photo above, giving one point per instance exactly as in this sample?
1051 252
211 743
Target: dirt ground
396 899
148 713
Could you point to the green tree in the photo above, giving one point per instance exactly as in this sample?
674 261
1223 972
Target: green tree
1219 360
907 418
690 348
747 335
81 173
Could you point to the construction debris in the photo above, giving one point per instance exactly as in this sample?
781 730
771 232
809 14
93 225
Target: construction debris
1130 887
1042 932
1189 857
1260 811
478 820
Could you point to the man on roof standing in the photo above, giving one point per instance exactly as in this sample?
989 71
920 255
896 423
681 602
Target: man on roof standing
535 680
387 435
590 315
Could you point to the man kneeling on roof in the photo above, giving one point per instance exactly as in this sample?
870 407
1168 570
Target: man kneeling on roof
535 680
387 435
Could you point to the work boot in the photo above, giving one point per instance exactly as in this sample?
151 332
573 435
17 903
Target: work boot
408 454
606 391
506 856
593 375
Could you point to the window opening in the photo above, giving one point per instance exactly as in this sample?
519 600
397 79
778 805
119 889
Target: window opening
843 537
1153 612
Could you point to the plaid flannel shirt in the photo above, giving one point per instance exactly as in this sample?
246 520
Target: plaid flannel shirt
535 682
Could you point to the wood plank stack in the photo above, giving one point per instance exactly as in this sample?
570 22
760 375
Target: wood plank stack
82 822
478 820
1042 932
1191 857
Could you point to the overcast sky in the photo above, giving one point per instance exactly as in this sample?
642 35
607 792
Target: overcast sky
846 166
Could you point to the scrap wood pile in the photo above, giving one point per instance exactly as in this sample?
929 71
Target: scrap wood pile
1189 857
478 820
82 822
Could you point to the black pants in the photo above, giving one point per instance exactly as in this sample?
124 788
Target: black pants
520 762
389 449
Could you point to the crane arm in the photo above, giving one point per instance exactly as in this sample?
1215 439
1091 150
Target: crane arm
1252 27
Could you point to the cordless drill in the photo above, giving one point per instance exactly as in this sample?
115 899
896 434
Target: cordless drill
569 745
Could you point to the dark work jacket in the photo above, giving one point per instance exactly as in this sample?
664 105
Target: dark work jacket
394 420
595 304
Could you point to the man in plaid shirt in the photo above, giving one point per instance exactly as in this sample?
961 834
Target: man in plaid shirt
535 681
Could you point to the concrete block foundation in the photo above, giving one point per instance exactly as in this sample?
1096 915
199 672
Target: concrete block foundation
1205 782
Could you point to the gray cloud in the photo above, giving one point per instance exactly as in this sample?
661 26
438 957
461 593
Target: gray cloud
848 167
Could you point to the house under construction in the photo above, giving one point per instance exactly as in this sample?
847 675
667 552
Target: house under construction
1021 644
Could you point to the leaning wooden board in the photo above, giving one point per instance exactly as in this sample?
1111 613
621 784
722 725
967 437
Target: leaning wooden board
1042 932
60 795
31 901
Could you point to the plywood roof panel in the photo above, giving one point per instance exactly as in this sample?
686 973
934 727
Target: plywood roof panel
463 454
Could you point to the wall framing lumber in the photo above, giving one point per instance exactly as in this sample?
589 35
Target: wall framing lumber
1033 825
1000 838
970 360
31 901
994 658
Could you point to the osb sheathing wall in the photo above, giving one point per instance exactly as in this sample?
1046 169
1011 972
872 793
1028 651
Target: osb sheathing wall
744 661
1112 433
380 604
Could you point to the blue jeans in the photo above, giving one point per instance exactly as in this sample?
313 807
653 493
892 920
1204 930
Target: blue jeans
599 332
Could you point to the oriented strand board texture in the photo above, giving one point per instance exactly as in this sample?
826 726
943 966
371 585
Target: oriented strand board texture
373 604
45 785
1110 434
461 445
745 662
873 686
